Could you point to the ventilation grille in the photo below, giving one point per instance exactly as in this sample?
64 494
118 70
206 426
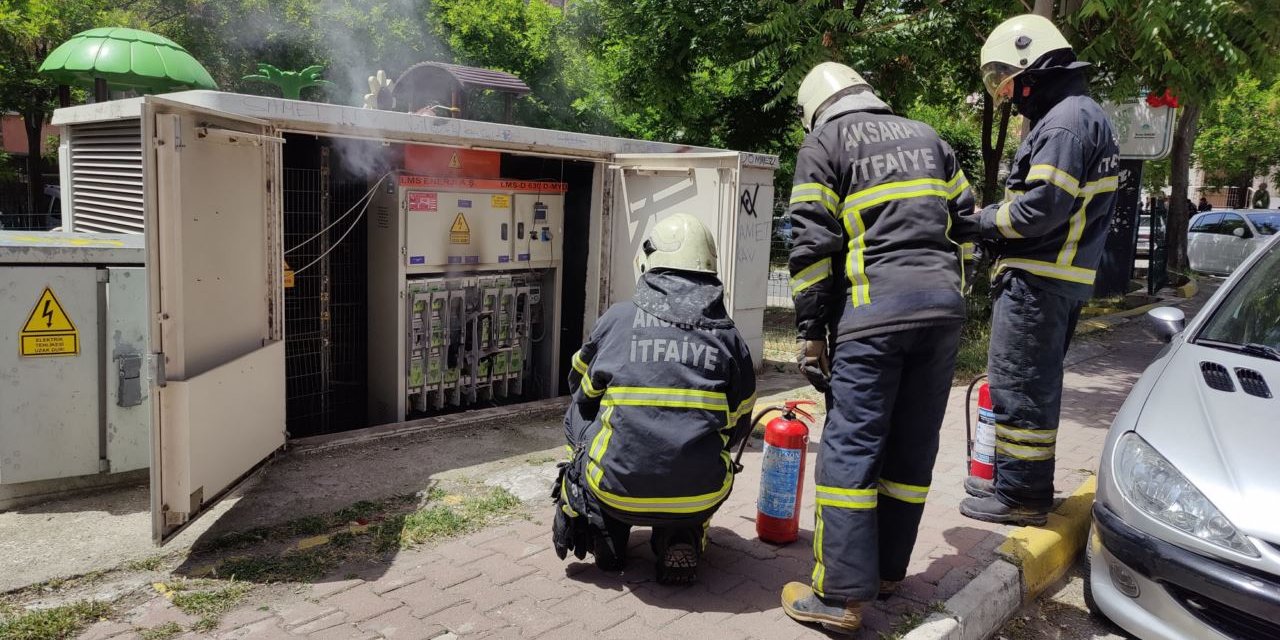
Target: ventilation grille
1253 383
1216 376
106 177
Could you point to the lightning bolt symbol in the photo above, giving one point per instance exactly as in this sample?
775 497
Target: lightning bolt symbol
48 314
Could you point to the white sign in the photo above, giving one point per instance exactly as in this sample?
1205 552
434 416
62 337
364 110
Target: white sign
1143 132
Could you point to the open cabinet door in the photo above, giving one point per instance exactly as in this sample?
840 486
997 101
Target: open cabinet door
215 302
650 186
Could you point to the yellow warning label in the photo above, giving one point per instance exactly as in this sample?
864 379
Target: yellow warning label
454 162
288 276
501 202
49 330
460 232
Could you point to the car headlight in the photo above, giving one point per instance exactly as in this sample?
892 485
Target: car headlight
1156 487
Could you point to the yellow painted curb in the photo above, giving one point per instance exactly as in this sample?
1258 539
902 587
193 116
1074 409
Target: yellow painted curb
1045 553
1190 289
1102 323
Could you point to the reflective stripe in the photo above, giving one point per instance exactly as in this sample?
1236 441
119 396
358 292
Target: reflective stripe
744 409
590 389
815 192
666 397
819 570
569 450
967 250
957 185
579 364
1004 222
855 204
1047 269
1056 177
1020 452
1076 228
845 498
564 504
810 275
914 494
1029 436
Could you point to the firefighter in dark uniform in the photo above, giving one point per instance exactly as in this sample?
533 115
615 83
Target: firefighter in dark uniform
876 278
1047 236
662 392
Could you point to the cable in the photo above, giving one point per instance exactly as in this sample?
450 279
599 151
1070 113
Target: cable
340 238
343 216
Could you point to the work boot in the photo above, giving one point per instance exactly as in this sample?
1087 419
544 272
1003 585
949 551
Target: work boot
992 510
887 589
836 615
979 487
677 554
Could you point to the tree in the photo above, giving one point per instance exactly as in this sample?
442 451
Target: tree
1196 49
1240 133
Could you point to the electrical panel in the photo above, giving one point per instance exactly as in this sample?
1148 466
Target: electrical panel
469 338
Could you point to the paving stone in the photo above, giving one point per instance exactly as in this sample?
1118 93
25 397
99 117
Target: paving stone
463 619
326 589
424 598
541 588
512 547
593 615
631 629
320 624
361 603
104 629
400 624
530 619
158 612
447 574
382 587
346 631
302 612
461 552
500 571
269 629
244 616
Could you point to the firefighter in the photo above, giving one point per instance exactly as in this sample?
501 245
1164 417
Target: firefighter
1048 237
661 392
876 278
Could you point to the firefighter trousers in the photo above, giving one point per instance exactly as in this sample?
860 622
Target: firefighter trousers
888 395
1030 332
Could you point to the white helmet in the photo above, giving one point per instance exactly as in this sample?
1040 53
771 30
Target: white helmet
678 241
821 83
1012 47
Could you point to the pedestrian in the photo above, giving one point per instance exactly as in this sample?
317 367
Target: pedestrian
661 393
1204 205
876 279
1261 199
1048 237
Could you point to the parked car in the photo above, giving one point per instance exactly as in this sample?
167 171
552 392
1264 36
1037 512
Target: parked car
1144 236
1186 523
1217 242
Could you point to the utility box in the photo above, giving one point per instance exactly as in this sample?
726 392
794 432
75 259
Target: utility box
74 386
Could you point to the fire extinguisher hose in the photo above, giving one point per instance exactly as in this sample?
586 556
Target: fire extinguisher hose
968 418
755 422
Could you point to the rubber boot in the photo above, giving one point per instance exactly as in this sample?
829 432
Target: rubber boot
992 510
979 487
802 604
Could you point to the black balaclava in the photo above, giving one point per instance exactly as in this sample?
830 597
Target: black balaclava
1052 77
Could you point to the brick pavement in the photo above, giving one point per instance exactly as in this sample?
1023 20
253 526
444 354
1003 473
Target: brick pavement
506 582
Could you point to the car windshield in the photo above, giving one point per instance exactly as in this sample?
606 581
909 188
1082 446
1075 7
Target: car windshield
1267 223
1250 313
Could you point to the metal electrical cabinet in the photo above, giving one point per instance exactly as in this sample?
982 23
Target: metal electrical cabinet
458 272
73 345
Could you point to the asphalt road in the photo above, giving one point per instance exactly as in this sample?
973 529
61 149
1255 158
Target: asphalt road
1059 614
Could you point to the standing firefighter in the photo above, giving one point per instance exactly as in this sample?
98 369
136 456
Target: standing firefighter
1047 237
662 392
876 279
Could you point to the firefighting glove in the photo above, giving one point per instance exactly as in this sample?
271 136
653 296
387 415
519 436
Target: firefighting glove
815 364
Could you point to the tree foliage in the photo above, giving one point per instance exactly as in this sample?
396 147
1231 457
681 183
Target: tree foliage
1240 133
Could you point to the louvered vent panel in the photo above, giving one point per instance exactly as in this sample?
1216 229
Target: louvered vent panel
1253 383
106 177
1216 376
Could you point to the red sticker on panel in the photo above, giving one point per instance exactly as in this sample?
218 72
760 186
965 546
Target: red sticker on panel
424 201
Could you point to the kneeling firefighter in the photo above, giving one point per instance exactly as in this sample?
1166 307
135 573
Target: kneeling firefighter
662 391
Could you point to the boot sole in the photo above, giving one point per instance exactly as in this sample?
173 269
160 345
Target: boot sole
1016 520
679 565
978 494
830 623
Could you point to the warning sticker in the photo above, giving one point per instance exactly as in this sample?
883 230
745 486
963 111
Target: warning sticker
454 162
424 201
501 202
49 330
288 276
460 232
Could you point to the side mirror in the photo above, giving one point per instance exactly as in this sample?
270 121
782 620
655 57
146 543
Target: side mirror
1166 322
1238 232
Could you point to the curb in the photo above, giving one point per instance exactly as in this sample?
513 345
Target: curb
1031 559
1102 323
1190 289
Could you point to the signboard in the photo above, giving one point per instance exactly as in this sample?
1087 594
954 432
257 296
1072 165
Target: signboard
49 331
424 201
1142 131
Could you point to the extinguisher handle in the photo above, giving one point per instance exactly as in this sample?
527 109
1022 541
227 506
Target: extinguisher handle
793 406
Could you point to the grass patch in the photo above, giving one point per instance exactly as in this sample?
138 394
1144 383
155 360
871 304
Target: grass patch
210 603
780 334
52 624
146 564
297 566
450 518
162 632
971 357
363 511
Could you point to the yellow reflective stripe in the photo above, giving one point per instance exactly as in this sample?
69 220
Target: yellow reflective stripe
855 264
810 275
564 505
669 391
855 204
957 185
1019 452
815 192
744 409
667 397
819 570
967 250
845 498
914 494
579 364
1076 228
590 389
1004 222
1047 269
569 450
860 198
1056 177
670 404
1010 194
1029 436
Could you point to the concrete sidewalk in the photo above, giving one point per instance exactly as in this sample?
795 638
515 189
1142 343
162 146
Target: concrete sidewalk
506 582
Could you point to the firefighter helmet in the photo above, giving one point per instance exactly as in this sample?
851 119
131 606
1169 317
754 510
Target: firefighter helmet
678 241
1015 45
821 84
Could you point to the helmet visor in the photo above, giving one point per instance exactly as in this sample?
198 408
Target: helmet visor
998 78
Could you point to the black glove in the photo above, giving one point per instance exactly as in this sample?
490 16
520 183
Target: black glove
570 530
815 365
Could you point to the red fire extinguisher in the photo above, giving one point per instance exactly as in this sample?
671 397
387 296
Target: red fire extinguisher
786 444
980 444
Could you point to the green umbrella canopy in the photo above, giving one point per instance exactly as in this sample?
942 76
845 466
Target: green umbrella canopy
126 59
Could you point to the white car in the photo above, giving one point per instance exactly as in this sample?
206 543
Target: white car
1218 241
1186 523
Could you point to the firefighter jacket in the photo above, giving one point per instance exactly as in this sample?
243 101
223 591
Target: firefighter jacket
875 216
1054 220
662 392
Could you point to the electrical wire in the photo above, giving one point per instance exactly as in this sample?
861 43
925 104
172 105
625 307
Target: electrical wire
367 196
344 235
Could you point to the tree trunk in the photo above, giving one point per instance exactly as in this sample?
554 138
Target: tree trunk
33 122
992 151
1184 139
1044 8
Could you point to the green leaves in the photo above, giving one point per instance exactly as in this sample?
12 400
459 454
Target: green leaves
291 83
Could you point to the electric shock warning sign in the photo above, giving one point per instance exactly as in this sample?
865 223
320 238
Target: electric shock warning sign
49 330
781 475
460 232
